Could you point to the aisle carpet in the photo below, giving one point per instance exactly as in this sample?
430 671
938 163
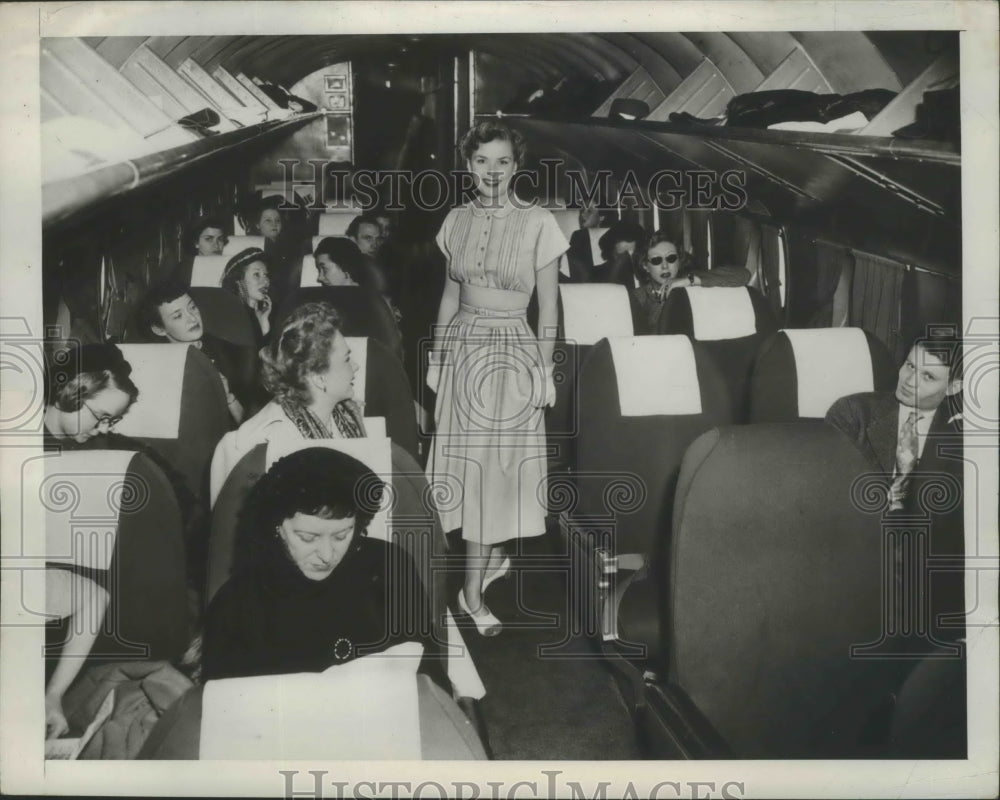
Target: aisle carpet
560 705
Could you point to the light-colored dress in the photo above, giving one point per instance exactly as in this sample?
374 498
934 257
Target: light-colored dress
488 459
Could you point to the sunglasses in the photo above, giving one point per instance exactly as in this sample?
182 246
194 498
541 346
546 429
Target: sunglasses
657 260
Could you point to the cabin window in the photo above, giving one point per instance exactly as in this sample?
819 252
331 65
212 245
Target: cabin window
709 263
772 267
782 266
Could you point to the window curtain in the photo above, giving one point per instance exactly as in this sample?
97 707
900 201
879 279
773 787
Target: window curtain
830 263
876 293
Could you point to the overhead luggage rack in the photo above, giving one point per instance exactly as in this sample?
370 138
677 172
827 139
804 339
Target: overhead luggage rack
63 198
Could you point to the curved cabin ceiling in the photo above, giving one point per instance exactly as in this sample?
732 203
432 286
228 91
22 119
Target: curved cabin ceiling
851 61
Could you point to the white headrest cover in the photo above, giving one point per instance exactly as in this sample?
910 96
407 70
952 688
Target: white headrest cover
82 493
721 312
595 247
238 243
830 363
208 270
656 375
359 355
334 223
308 277
375 427
371 703
593 311
376 454
158 372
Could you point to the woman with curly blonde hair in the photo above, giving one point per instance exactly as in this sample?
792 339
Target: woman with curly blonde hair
308 370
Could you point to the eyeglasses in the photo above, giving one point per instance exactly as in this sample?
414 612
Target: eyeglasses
103 419
657 260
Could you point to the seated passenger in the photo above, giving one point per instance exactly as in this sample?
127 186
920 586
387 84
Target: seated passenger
618 246
307 367
206 237
283 254
88 396
663 267
169 313
891 428
580 254
340 263
82 601
310 589
246 275
366 233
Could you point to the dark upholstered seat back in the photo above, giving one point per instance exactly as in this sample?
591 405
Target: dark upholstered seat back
114 512
799 374
168 378
363 312
774 573
388 394
709 316
619 448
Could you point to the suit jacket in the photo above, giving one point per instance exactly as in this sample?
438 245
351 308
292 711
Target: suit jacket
870 420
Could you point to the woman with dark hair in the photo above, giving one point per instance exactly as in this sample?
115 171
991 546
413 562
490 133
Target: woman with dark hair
310 589
662 267
89 392
308 370
339 263
492 377
246 275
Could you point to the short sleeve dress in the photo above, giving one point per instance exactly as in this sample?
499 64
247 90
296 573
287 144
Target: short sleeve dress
488 460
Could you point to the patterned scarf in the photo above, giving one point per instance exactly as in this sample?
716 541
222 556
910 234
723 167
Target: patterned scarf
346 418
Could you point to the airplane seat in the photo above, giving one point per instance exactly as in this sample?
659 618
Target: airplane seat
225 316
643 400
773 573
929 718
236 244
799 374
181 412
406 519
113 514
412 522
730 322
334 222
587 313
446 734
362 312
385 391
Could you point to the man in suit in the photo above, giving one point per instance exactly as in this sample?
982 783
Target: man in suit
914 437
892 428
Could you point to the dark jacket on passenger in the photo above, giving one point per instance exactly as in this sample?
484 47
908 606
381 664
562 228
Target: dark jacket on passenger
270 619
934 497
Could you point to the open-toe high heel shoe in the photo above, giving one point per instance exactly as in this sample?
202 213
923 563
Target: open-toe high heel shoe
487 624
501 572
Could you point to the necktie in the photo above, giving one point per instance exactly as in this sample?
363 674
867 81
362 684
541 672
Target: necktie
907 449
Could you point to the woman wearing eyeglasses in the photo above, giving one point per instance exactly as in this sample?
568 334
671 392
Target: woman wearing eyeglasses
665 266
90 392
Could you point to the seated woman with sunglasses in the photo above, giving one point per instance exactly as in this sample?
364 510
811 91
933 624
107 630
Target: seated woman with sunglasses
663 267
